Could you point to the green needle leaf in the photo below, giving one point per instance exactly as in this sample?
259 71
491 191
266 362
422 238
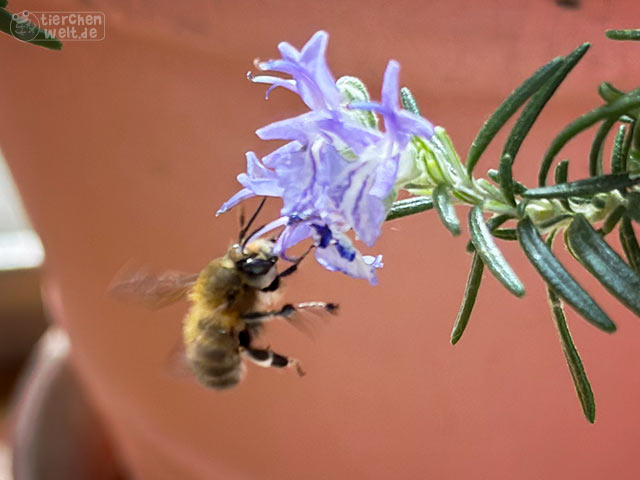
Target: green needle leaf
506 178
469 299
604 263
507 109
40 39
409 206
561 172
552 271
553 221
539 100
445 209
636 132
561 175
626 149
633 206
505 234
579 376
595 156
630 243
615 109
3 3
623 34
493 223
584 188
490 253
494 175
408 101
618 158
612 220
608 92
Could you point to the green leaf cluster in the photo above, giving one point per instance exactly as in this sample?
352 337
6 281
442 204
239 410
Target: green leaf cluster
584 210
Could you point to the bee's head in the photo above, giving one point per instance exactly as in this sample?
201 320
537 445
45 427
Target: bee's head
256 261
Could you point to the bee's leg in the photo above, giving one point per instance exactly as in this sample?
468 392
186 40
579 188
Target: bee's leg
267 358
244 338
288 311
285 273
258 317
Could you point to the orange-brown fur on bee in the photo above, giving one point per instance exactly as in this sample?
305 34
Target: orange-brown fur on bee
220 298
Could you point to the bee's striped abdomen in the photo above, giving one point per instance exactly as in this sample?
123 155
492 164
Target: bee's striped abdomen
216 361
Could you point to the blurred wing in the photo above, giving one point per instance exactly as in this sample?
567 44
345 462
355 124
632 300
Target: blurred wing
307 314
176 364
154 291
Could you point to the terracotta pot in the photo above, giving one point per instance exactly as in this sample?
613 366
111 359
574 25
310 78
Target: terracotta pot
123 150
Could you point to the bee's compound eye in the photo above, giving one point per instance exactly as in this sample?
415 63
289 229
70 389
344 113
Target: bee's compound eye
256 266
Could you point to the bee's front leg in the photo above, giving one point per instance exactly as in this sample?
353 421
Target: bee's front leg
273 286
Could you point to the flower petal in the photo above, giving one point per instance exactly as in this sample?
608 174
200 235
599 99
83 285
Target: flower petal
278 222
313 57
413 124
313 79
234 200
274 82
400 124
359 267
298 128
391 86
290 236
283 154
259 179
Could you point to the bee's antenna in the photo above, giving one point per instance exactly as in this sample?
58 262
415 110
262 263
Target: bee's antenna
244 243
241 217
244 229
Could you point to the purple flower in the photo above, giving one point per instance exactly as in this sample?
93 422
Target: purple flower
258 180
324 196
400 124
336 173
334 250
312 80
324 123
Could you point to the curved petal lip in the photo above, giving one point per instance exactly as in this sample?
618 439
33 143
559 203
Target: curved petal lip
234 200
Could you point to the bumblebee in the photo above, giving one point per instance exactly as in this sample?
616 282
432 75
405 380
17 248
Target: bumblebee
228 301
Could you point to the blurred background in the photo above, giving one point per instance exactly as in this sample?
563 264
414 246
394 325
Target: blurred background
21 255
22 319
123 149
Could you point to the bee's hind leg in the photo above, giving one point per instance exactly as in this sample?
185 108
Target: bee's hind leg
267 358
